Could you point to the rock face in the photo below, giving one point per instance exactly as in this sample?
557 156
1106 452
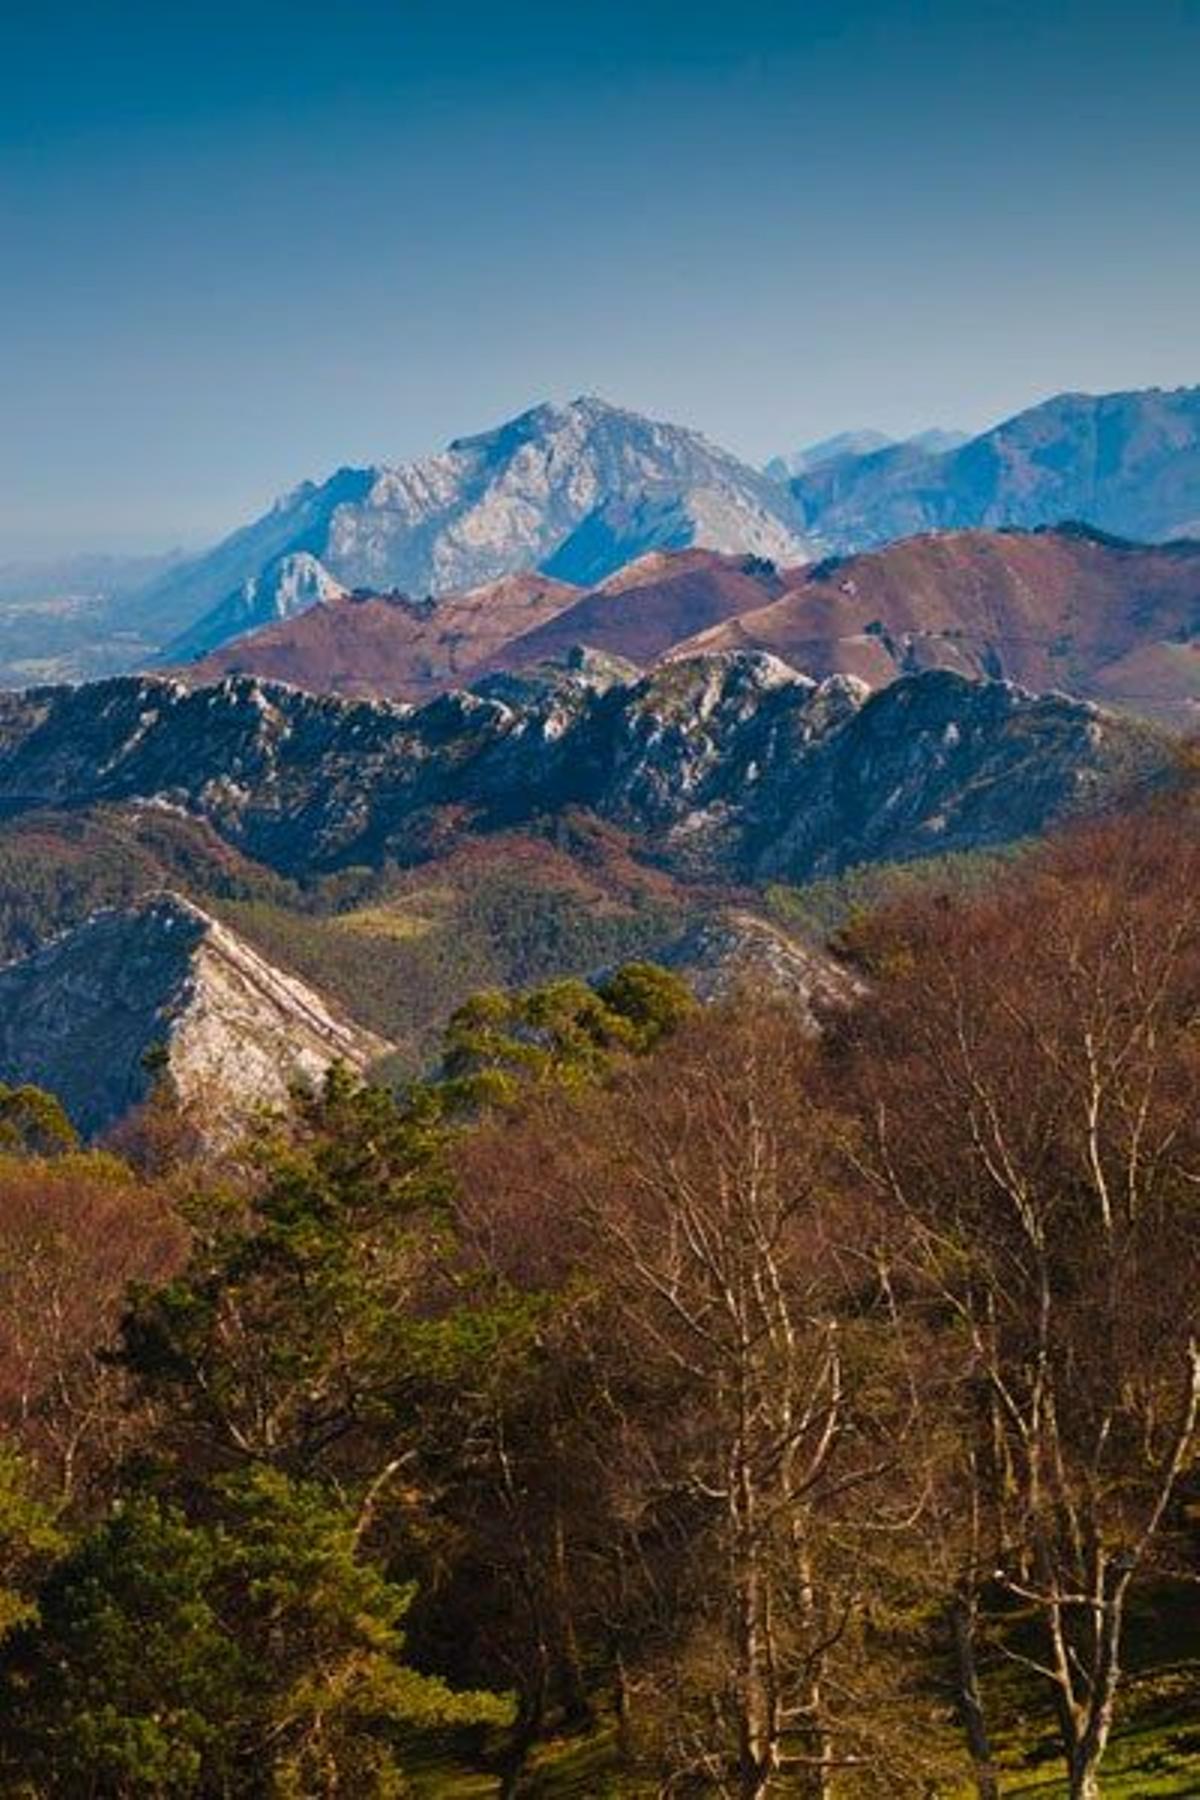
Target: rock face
730 764
737 950
290 585
79 1016
1127 463
574 491
1067 608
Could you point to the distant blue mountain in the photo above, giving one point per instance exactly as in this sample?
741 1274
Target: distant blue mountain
1126 463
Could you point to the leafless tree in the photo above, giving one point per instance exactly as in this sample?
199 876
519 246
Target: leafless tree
1028 1071
747 1449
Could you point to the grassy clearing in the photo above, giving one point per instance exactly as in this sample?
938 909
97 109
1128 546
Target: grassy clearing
1154 1755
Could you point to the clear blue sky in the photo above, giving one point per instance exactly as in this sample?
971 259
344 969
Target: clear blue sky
244 243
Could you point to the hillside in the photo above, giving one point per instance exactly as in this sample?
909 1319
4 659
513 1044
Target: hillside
389 646
1127 463
396 948
1068 609
81 1017
645 609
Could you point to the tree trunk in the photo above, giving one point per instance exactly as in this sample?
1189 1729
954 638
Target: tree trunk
1087 1752
1084 1781
577 1707
816 1780
755 1746
970 1698
527 1729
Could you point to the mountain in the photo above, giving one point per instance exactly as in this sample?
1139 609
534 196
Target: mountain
289 585
858 444
80 1016
410 650
574 491
813 456
1127 463
1070 609
717 767
937 441
388 645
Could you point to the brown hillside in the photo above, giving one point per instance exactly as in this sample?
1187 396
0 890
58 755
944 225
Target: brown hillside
392 647
387 646
1065 608
643 610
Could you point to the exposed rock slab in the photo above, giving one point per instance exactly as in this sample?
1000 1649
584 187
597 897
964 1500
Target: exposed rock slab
81 1015
737 951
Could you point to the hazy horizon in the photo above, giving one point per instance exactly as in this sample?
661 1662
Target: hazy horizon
246 246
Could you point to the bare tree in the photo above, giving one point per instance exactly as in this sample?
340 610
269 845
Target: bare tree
74 1232
1028 1071
746 1444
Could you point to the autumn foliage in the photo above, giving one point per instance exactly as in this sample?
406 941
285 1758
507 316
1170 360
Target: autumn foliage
788 1414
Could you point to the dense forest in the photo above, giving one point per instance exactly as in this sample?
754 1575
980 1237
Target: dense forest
660 1400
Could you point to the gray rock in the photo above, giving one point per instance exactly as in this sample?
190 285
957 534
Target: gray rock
80 1016
727 765
737 951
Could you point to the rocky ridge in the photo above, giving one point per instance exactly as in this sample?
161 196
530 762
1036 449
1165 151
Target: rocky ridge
723 765
81 1016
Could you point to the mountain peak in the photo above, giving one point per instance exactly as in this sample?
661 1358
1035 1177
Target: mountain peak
572 489
1128 463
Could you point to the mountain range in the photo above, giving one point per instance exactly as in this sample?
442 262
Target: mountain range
580 688
1127 463
1067 608
577 492
864 442
724 766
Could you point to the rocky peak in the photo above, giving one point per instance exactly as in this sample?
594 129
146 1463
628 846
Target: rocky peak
557 489
80 1016
287 586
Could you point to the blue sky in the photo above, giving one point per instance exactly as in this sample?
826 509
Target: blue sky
242 244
